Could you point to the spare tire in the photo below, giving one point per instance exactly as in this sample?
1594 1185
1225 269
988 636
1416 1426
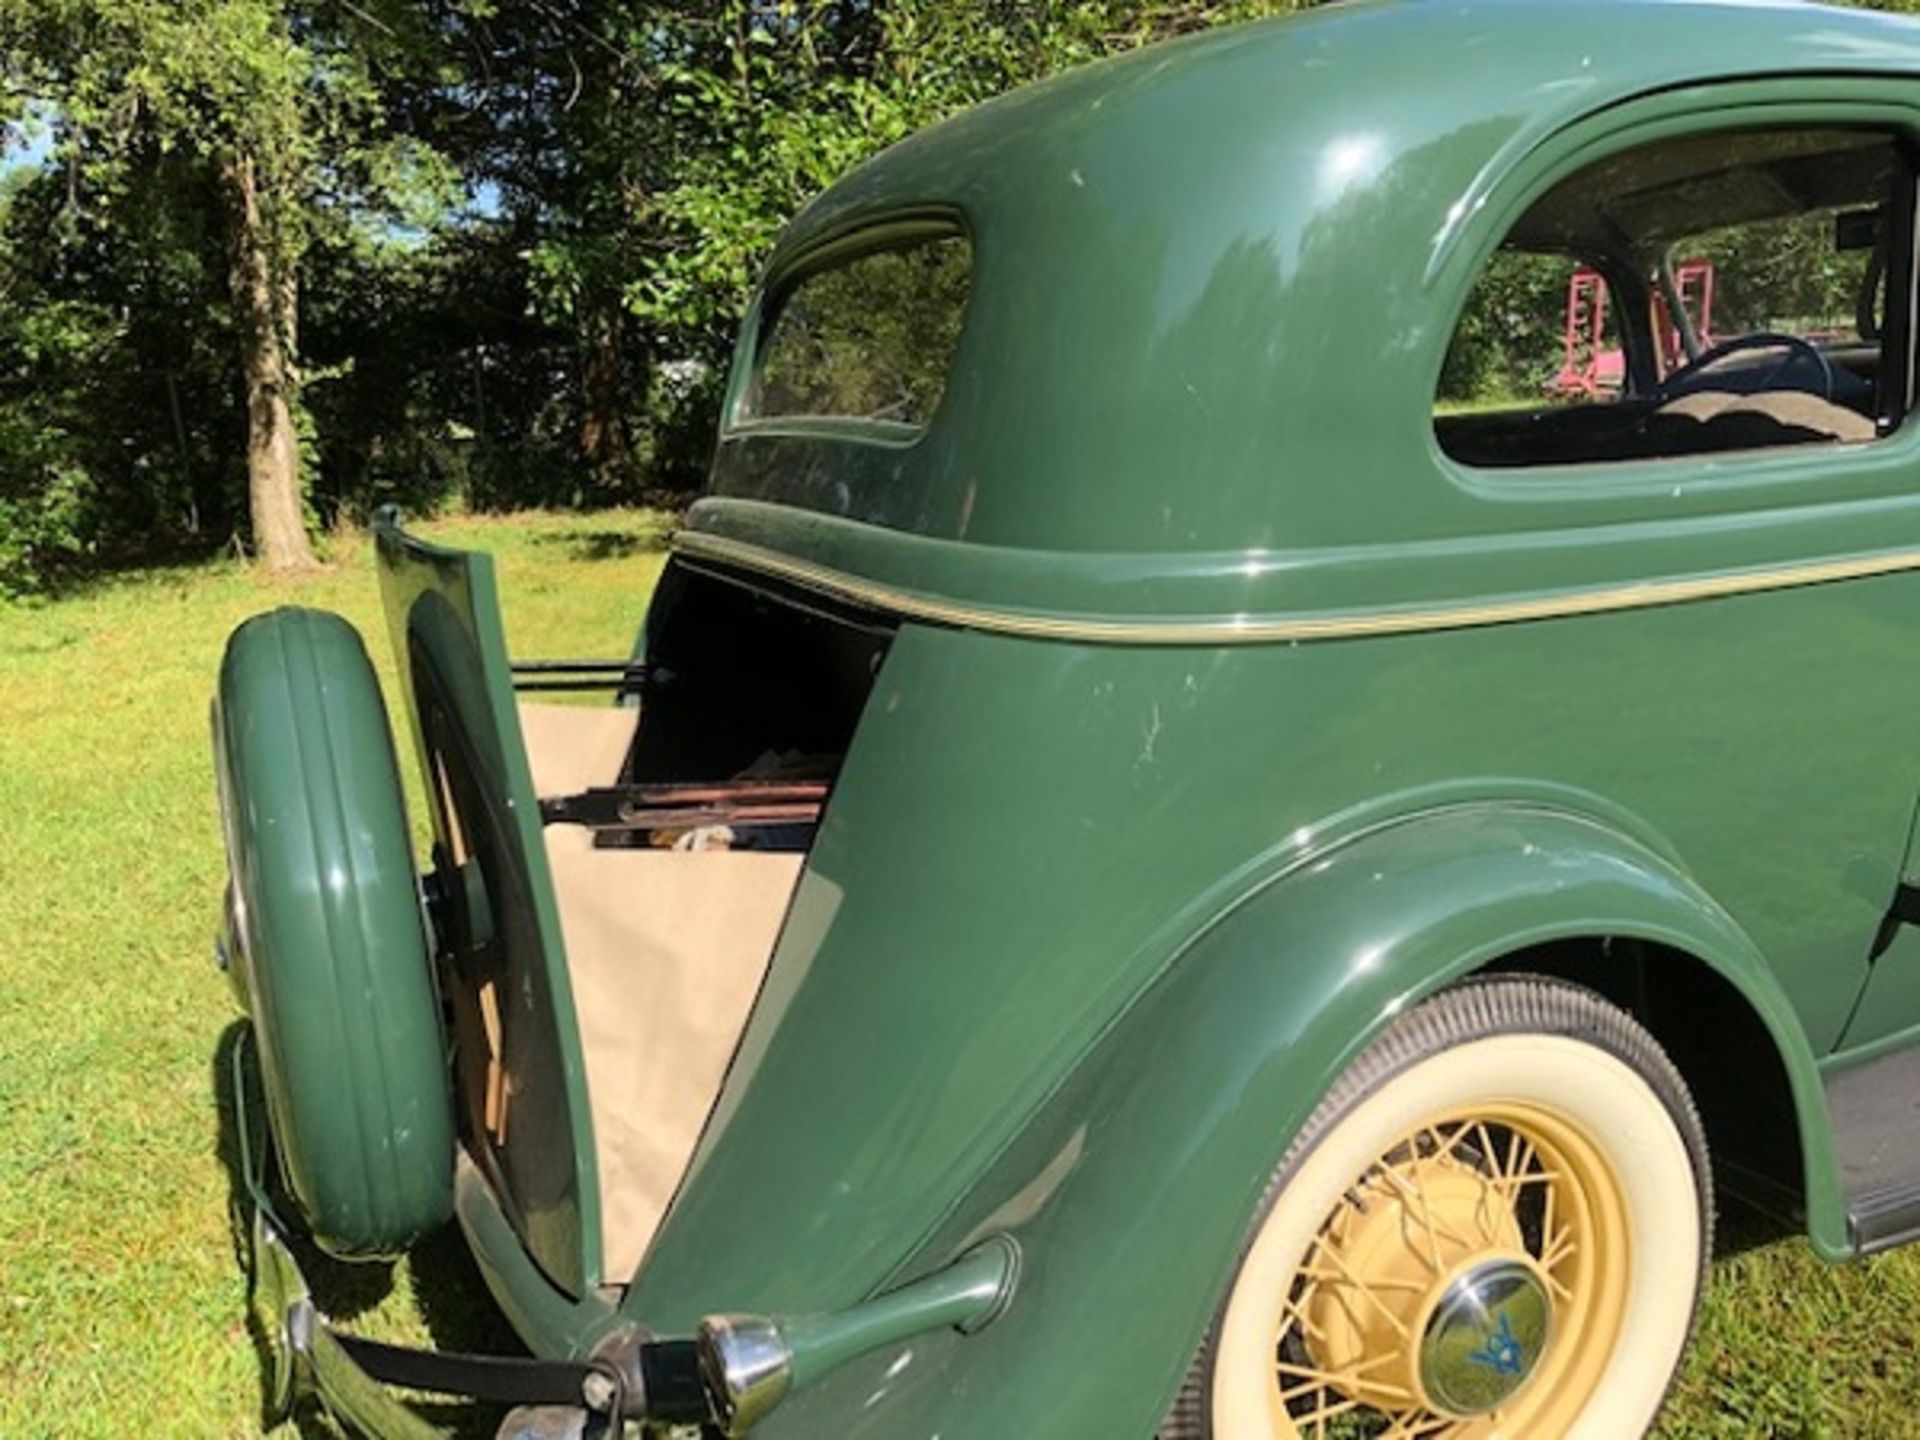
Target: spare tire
328 936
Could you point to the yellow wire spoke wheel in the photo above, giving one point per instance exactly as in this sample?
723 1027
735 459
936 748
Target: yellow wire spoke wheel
1493 1229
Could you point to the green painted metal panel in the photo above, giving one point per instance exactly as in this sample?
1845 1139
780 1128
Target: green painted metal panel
1026 832
1381 522
1214 281
1132 1189
1888 1010
443 608
1888 1013
551 1322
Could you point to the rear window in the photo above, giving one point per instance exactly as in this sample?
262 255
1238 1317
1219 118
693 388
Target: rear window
870 339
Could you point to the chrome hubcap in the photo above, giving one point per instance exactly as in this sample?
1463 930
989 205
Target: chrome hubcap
1485 1337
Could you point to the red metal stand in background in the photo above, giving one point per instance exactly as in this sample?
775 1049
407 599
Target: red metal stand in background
1591 368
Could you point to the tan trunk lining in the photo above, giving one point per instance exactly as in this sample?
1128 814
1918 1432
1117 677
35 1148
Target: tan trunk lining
571 748
666 952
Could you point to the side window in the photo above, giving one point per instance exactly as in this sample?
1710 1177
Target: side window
869 339
1716 292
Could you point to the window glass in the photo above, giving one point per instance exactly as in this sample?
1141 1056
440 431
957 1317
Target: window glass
1742 306
870 339
1789 277
1536 327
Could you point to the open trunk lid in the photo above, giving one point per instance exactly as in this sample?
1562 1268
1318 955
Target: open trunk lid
611 880
514 1024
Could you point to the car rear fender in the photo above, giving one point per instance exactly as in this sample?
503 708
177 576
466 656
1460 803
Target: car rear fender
1132 1187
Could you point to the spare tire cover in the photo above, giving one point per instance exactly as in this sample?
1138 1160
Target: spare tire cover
331 937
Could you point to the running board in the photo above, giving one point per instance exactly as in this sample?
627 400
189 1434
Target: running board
1876 1136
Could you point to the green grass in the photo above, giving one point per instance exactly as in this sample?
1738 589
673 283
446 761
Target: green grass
122 1307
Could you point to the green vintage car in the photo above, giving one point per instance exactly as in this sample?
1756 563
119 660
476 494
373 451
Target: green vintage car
1197 841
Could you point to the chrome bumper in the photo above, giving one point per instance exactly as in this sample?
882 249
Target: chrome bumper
307 1359
746 1364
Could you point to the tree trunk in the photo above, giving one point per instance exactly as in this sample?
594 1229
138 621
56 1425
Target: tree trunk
263 305
604 442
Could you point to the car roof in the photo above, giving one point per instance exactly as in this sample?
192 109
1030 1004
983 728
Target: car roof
1350 86
1215 278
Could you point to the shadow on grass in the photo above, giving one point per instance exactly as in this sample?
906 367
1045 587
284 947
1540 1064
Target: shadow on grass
177 560
447 1291
1740 1226
591 545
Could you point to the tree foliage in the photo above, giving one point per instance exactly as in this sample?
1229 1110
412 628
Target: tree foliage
495 253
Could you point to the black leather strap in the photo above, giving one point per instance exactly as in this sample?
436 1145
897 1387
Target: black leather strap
504 1379
676 1393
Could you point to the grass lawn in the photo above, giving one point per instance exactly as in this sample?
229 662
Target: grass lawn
121 1304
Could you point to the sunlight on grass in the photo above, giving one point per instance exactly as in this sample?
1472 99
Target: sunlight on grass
121 1304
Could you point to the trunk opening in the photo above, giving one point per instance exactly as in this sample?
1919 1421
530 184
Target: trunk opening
676 831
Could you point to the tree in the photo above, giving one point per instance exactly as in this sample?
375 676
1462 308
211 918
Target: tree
118 425
273 104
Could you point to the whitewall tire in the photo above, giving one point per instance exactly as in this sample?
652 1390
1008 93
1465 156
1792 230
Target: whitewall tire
1494 1227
